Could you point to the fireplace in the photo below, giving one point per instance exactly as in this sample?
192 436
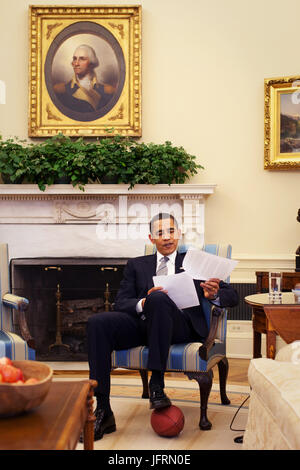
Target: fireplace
62 294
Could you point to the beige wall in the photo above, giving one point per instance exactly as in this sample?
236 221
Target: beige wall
204 64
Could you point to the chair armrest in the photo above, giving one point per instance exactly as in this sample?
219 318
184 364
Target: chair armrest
20 304
216 315
14 301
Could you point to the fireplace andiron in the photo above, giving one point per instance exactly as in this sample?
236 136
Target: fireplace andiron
58 339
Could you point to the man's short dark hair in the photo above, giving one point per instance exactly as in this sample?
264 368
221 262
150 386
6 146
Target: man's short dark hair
161 216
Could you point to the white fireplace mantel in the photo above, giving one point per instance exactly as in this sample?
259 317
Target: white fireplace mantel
103 220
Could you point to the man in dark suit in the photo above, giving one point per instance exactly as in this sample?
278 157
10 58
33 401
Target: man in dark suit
145 315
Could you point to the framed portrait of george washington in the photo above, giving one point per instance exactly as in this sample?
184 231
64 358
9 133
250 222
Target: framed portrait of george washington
282 123
84 70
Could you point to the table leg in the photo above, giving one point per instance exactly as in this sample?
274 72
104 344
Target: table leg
271 344
88 431
256 344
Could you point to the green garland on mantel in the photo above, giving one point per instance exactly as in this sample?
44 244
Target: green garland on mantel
114 159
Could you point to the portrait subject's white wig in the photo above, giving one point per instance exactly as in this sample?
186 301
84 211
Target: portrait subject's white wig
91 54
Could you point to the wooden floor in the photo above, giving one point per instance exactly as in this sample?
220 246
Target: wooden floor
238 371
237 375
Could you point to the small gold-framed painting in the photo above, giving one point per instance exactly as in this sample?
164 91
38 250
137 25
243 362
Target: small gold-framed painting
84 70
282 123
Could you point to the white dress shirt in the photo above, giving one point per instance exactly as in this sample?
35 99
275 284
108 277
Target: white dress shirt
171 270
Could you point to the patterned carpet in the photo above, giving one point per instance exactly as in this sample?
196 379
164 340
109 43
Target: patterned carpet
179 390
134 431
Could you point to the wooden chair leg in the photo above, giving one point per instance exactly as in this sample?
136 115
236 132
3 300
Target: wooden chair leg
204 380
223 373
144 376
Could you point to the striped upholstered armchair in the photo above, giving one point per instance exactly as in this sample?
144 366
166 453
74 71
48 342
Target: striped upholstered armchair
195 360
11 344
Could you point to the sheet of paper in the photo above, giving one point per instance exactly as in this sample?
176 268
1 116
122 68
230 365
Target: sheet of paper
181 289
202 265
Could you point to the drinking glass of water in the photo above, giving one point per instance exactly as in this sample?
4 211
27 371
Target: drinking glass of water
275 283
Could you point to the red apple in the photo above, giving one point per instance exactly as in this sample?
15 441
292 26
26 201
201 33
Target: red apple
11 374
1 378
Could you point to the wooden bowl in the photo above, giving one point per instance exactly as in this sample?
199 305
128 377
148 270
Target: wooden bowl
15 399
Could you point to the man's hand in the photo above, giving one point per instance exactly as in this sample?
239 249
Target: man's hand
152 290
210 288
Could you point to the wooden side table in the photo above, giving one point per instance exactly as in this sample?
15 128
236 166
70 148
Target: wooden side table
285 320
260 322
57 423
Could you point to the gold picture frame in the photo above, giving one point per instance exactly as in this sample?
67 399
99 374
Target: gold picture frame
282 123
59 98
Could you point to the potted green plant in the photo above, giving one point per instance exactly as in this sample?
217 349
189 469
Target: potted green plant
113 159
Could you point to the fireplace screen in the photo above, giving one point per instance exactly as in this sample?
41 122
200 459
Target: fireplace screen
63 293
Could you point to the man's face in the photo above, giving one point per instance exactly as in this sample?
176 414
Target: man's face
81 62
165 236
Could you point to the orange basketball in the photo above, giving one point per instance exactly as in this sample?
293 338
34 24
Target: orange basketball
168 421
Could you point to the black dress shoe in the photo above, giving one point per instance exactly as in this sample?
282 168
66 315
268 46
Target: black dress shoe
158 398
103 425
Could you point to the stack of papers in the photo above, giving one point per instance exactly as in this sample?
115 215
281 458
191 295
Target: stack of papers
197 265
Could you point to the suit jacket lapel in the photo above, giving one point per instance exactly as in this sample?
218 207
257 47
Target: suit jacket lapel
151 270
178 263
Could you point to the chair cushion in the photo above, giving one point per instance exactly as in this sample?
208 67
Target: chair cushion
182 357
14 347
223 250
